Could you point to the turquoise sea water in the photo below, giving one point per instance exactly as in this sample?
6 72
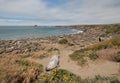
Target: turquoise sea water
17 32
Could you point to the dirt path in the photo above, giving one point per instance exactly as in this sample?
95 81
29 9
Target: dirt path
100 67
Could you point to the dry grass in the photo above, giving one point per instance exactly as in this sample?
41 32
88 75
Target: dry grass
107 54
63 41
33 54
40 54
98 50
13 69
113 29
114 42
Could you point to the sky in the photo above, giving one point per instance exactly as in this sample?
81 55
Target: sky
59 12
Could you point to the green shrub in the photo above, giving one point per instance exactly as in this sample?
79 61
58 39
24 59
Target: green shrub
80 51
90 51
113 29
78 54
70 44
22 62
93 55
26 63
64 76
53 49
114 42
117 57
63 41
81 61
58 76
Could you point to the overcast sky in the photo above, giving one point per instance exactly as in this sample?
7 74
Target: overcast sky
59 12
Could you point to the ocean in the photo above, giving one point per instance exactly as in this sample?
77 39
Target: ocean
18 32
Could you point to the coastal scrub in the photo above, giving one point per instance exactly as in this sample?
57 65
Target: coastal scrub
64 76
63 41
117 57
90 52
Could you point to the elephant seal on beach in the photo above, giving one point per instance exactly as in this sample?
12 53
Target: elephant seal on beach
54 62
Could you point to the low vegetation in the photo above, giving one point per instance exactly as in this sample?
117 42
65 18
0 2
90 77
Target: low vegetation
25 55
114 42
117 57
53 49
78 54
90 51
113 29
14 69
81 56
63 41
23 62
58 76
81 61
70 44
93 55
64 76
40 54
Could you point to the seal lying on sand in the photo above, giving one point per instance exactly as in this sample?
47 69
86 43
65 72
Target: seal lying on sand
54 62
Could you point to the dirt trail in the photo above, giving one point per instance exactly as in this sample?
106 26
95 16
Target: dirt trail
100 67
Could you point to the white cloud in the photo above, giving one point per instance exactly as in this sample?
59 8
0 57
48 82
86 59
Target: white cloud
21 6
71 12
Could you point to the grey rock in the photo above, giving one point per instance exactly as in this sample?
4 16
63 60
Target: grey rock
9 50
16 52
2 50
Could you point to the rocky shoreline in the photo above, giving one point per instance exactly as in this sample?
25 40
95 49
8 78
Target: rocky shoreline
90 35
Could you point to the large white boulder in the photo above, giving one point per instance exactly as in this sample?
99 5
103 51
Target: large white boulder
54 62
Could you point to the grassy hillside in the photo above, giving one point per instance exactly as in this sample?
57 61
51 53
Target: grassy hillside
90 52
